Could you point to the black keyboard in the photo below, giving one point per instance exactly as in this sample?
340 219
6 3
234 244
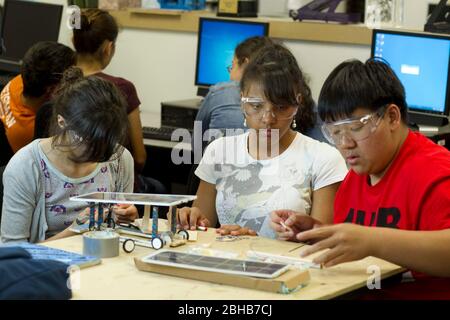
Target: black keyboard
5 78
163 133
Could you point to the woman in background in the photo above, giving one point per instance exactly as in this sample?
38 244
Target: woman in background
95 45
221 108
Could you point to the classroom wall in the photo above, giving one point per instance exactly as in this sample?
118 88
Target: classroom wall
161 64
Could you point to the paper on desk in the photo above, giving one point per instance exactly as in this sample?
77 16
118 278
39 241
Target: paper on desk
204 251
294 261
79 228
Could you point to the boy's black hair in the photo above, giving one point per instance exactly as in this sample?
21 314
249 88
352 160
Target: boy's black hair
354 84
43 66
276 70
94 110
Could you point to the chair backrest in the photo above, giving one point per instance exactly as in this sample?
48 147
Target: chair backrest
43 120
193 181
2 168
6 152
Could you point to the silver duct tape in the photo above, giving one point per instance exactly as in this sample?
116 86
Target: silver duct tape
102 244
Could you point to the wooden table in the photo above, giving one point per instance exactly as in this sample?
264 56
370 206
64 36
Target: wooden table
118 278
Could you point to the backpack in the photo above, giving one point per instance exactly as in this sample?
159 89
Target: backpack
22 277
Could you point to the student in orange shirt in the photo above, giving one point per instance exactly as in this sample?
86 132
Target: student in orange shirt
42 68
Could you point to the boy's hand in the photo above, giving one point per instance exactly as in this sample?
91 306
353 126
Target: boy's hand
287 223
346 241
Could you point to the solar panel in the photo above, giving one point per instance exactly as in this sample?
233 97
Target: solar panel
216 264
135 198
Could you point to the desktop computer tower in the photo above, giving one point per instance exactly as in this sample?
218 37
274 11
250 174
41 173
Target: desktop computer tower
179 113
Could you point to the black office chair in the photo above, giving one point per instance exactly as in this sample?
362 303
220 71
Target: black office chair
6 152
192 186
42 121
193 181
2 168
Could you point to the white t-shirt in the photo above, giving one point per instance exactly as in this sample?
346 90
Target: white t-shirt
248 189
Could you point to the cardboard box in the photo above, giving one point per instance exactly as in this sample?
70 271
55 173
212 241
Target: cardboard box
285 283
118 4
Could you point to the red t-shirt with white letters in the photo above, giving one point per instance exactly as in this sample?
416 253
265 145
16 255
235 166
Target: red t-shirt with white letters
414 194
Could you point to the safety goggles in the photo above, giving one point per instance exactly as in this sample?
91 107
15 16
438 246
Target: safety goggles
255 107
356 129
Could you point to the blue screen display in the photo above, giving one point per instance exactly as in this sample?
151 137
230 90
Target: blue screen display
217 41
421 63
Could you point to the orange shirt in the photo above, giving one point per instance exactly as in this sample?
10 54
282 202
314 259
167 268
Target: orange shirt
17 119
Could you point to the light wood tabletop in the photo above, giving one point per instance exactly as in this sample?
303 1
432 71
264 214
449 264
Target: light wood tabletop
118 278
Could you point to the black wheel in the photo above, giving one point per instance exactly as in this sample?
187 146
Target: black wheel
157 243
111 223
128 245
184 234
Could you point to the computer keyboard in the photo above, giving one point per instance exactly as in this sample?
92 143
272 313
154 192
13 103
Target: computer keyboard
163 133
5 78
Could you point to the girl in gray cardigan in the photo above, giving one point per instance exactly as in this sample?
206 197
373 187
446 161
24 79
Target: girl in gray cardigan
85 155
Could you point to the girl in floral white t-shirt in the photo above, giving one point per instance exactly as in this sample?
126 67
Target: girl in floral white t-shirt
270 167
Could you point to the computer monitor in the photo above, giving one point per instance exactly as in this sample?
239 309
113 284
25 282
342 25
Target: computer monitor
422 63
23 24
217 39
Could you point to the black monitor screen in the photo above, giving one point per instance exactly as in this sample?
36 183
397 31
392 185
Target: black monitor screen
217 40
422 62
25 23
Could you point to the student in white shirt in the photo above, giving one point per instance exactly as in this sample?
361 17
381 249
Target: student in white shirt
245 177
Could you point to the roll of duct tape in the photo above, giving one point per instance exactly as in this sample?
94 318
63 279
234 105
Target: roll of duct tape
102 244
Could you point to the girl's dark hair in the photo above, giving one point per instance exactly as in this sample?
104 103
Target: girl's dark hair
248 48
276 70
354 84
96 26
43 66
94 113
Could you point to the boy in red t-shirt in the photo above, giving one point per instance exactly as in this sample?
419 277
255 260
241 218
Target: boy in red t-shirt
394 203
